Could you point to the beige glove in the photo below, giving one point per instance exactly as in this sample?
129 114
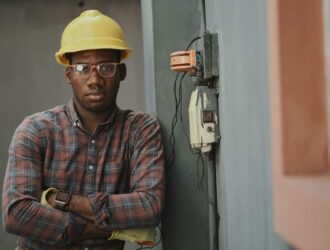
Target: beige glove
44 196
142 236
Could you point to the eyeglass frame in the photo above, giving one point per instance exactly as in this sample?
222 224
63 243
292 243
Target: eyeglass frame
93 66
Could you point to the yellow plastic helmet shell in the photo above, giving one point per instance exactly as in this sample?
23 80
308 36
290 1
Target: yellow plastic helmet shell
92 30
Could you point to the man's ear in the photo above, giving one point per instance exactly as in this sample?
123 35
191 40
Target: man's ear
122 71
68 74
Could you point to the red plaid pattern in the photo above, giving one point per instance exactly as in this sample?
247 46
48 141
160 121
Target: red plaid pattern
120 167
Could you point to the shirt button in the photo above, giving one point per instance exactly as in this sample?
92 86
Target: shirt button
91 167
93 141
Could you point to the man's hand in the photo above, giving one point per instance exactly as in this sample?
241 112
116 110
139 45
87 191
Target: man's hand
142 236
46 199
51 199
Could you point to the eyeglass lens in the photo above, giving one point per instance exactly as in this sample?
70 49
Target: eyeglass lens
104 69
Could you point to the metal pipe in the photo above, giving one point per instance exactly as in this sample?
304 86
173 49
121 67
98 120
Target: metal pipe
213 208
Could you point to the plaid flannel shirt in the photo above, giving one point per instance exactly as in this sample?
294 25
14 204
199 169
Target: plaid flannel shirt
120 167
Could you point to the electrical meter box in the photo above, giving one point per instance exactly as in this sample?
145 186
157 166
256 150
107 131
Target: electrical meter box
203 118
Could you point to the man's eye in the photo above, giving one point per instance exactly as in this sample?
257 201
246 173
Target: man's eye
82 68
106 67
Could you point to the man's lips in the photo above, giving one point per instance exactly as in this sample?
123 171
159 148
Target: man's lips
96 95
96 92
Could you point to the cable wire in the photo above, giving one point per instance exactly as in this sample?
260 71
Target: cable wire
171 157
178 110
178 115
204 14
192 41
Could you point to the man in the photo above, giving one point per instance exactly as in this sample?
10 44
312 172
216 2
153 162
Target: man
96 169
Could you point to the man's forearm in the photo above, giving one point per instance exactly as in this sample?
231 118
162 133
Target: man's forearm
78 204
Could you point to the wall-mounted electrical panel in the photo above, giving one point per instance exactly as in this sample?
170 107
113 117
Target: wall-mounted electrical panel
203 66
203 118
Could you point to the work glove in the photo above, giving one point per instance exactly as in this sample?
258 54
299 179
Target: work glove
142 236
44 196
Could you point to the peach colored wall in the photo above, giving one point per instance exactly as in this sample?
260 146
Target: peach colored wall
301 180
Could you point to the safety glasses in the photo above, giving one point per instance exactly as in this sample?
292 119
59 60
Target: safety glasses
85 70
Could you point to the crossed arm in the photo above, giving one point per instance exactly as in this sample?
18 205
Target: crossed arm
86 217
81 206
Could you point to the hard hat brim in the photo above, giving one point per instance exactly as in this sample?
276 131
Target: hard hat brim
62 59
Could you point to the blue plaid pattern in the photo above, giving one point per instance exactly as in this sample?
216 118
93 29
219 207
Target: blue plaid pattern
120 167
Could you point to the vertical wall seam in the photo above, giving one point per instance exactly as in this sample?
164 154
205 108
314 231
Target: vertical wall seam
149 56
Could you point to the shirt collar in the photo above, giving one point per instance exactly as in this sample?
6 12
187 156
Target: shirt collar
74 118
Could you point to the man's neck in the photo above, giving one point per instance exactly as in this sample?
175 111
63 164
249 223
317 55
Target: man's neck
91 120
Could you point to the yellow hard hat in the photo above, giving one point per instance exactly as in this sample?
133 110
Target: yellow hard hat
92 30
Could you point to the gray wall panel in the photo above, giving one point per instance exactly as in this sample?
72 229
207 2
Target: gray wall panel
185 220
244 163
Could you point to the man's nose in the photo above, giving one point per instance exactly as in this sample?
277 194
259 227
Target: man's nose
95 78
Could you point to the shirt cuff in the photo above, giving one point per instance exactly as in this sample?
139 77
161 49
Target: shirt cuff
99 203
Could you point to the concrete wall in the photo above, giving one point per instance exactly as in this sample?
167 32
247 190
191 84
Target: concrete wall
243 157
244 164
169 26
32 81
